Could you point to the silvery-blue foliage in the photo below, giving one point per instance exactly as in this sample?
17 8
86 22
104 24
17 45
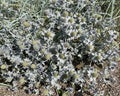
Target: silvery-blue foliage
67 45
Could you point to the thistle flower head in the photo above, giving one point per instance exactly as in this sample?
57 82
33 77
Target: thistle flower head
48 56
26 24
3 66
65 14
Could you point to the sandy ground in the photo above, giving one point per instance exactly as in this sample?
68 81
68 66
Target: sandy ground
4 92
110 90
114 89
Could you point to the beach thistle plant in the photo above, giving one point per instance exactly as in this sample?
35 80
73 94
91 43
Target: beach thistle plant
58 45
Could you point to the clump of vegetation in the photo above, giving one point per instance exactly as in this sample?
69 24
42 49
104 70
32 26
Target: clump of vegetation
56 44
